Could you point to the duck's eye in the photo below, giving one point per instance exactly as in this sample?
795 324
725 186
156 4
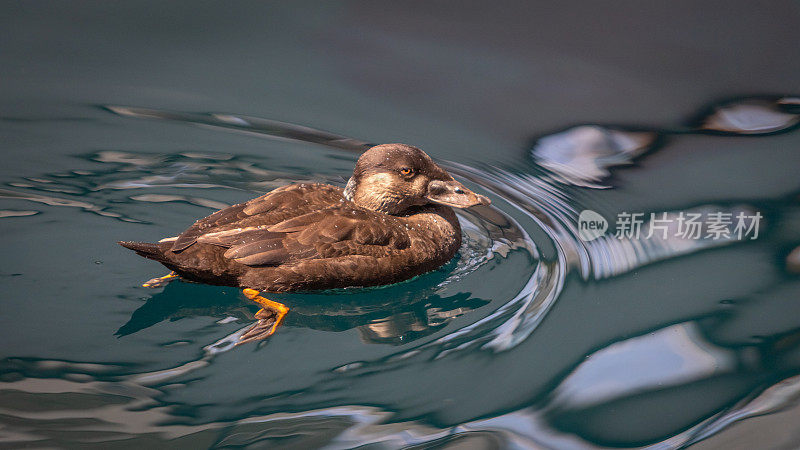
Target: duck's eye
405 171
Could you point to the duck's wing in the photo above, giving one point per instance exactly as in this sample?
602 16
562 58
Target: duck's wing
271 208
331 233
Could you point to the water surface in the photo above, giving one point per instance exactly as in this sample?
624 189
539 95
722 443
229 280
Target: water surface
127 122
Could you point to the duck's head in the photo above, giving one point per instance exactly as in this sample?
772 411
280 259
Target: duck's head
392 178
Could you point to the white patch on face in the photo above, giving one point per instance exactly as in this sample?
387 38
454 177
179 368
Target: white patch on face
378 184
383 179
385 192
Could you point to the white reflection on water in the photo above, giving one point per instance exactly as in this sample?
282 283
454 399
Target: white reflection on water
583 155
16 213
60 201
161 198
670 356
754 116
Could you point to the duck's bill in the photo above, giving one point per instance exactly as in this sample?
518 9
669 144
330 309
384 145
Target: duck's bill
452 193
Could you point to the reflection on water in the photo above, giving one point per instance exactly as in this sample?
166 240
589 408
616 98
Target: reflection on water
671 356
246 124
54 201
754 116
391 315
793 260
98 403
527 243
583 155
16 213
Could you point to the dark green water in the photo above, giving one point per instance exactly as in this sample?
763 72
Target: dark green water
129 121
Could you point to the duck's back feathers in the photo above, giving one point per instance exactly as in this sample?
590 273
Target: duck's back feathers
271 208
333 232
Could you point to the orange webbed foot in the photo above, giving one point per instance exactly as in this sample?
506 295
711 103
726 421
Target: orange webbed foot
160 281
269 317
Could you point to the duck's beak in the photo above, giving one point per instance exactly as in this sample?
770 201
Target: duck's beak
452 193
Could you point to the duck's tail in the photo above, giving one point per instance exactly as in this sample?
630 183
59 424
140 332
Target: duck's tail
146 249
162 253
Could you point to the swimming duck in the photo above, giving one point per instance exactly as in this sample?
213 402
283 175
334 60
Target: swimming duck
392 221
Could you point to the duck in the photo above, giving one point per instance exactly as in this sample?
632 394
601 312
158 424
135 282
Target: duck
392 221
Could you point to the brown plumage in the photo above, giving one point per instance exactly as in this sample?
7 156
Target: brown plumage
393 221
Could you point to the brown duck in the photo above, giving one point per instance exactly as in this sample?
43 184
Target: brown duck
391 222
